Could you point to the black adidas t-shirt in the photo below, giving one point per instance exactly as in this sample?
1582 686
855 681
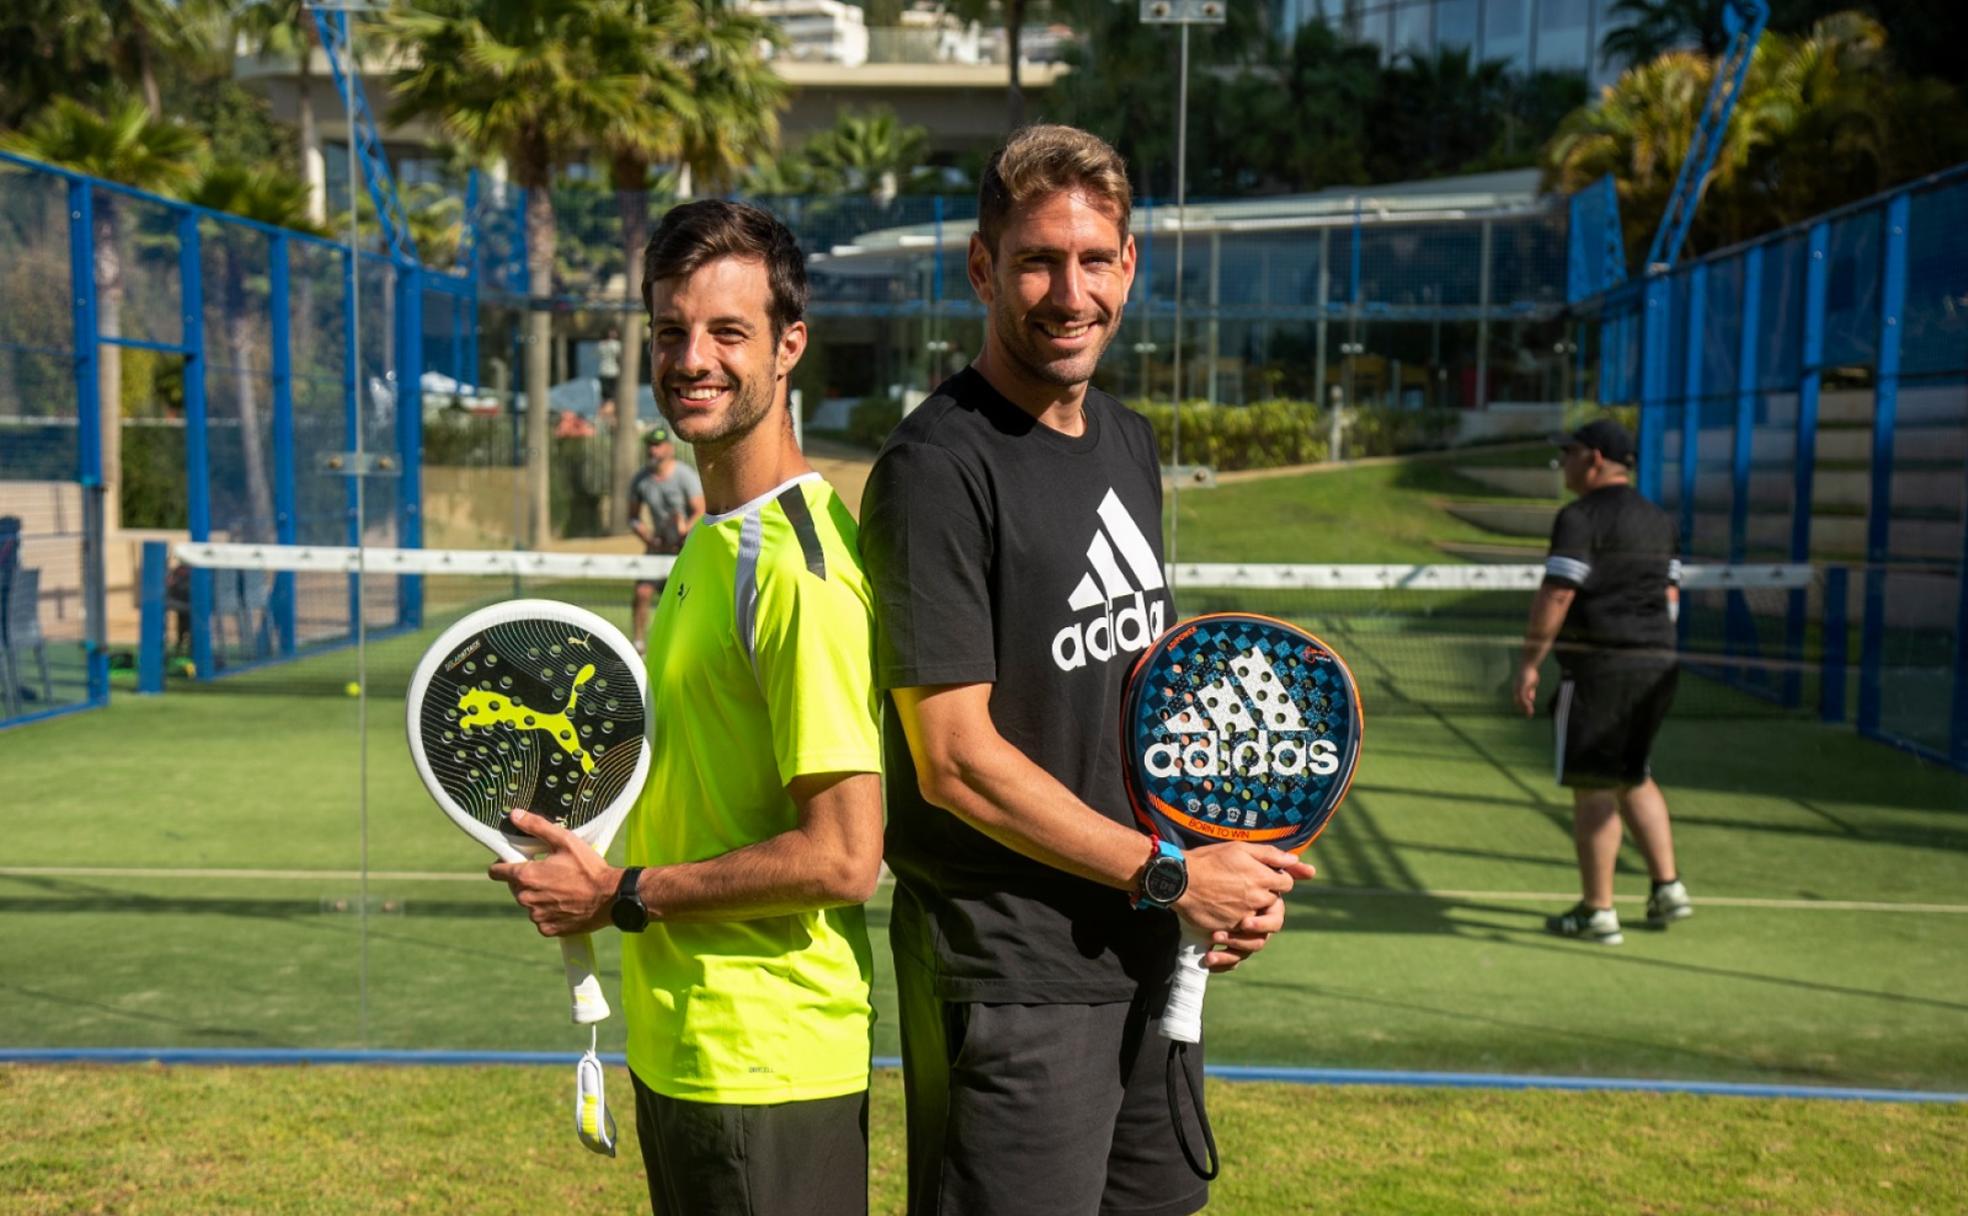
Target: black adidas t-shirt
1618 550
1004 552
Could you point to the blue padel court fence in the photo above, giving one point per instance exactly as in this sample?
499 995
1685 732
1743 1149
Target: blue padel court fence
170 374
1804 398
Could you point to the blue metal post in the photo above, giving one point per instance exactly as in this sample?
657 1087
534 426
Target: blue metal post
1691 404
88 430
1739 627
198 464
150 643
936 272
1958 721
1804 462
1353 292
410 435
1831 681
285 480
1691 389
1886 399
1654 328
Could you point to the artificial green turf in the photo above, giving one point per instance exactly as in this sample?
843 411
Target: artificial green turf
1375 513
319 1141
1378 968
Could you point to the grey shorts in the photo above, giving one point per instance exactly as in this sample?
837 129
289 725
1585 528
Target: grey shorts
1024 1110
783 1159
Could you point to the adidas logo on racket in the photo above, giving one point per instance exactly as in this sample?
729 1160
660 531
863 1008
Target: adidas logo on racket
1248 726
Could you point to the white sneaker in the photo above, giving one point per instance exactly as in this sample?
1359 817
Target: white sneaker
1600 925
1668 904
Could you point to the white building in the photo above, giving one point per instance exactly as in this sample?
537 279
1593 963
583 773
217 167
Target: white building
817 31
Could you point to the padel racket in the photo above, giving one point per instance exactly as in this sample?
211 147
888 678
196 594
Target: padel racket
540 706
1235 727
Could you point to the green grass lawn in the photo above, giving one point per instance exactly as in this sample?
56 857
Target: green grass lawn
1376 513
321 1141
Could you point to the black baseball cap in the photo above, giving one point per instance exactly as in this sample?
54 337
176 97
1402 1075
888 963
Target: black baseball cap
655 435
1601 435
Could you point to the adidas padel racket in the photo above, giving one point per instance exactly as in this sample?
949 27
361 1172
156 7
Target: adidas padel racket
539 706
1235 727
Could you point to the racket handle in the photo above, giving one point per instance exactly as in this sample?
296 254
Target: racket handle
1182 1018
583 985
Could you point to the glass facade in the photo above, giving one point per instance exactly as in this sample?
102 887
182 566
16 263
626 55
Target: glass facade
1529 35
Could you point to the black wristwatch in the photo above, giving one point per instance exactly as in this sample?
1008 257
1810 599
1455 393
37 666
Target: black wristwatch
1165 878
628 912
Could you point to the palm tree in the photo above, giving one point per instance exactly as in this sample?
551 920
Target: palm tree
1436 113
123 143
521 79
872 153
271 197
284 27
1639 31
1823 119
734 121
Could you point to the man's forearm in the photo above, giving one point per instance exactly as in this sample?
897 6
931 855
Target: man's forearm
828 860
997 789
1547 617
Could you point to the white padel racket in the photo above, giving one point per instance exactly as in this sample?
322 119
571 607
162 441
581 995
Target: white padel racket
539 706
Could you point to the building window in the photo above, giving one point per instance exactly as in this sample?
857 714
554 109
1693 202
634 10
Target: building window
1503 19
1455 24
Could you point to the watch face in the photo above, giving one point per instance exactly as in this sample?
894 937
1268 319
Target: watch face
629 917
1165 880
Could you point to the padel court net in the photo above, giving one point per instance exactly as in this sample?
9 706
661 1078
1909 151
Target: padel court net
1420 639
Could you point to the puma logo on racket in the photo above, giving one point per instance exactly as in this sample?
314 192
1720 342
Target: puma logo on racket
1248 727
485 708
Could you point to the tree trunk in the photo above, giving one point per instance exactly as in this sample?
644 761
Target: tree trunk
258 524
634 206
1014 36
147 72
109 358
314 164
539 340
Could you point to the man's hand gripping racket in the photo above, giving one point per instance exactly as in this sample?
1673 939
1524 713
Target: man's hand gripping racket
1234 727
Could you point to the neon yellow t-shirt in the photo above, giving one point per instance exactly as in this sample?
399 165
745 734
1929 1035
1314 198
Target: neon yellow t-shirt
760 655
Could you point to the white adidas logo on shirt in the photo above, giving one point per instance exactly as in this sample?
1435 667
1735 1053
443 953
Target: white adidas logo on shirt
1123 570
1248 726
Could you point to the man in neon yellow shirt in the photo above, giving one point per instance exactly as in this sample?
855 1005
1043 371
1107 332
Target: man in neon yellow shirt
745 961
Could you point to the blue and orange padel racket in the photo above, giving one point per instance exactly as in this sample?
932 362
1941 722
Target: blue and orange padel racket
1235 727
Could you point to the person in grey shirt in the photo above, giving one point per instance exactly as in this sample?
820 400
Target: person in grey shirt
673 498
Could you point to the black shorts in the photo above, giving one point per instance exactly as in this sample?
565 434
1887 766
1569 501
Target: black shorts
782 1159
1606 716
1041 1108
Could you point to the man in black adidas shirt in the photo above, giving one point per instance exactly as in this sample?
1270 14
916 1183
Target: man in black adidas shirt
1611 589
1011 531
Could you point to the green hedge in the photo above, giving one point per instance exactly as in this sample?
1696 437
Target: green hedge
870 421
1272 434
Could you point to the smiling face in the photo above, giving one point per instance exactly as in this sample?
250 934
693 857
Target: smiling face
1055 287
713 356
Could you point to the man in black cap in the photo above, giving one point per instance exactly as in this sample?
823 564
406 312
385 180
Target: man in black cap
1610 596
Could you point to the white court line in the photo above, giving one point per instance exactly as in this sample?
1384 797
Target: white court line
1701 900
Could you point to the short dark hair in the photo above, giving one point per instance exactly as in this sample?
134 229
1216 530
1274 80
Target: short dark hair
695 234
1045 159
